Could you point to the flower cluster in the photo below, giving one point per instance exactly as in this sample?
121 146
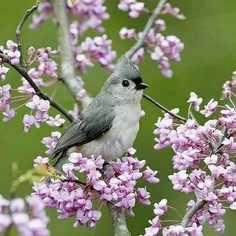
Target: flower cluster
174 11
5 99
50 142
3 71
41 108
135 8
228 86
47 66
162 48
211 145
176 230
12 52
114 183
156 224
91 14
14 213
45 9
99 49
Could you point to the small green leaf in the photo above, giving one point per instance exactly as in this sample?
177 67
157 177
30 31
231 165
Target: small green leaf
73 1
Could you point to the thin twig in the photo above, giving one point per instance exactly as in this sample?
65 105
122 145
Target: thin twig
164 108
66 51
38 91
193 210
18 31
148 26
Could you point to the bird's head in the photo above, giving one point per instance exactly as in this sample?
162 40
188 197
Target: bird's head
125 83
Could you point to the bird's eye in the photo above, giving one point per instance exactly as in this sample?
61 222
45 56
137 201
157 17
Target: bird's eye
125 83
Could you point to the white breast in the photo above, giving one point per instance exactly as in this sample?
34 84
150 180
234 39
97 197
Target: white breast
120 137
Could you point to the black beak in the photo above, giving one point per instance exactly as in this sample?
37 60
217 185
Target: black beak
141 86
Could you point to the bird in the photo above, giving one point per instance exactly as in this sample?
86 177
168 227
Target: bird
109 125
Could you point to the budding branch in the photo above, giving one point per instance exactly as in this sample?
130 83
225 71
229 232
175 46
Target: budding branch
38 91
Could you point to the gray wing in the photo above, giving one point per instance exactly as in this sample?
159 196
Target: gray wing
87 128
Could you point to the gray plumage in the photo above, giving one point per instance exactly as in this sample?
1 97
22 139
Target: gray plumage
109 125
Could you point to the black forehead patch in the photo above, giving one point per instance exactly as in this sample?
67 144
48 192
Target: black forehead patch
137 80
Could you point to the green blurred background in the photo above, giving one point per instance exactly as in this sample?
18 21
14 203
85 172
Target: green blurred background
207 61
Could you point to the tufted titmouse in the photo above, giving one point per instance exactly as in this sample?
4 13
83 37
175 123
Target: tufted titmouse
109 125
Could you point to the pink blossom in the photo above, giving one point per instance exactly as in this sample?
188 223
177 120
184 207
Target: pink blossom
154 228
161 207
233 206
164 66
37 21
5 221
9 114
149 175
55 122
124 5
48 68
160 25
175 46
136 9
127 33
138 57
175 230
180 180
38 161
50 142
26 87
3 72
174 11
32 223
229 143
28 121
211 159
91 14
5 97
17 205
99 49
195 101
31 51
11 45
210 108
227 89
143 196
12 52
157 54
34 103
45 10
195 230
82 62
41 108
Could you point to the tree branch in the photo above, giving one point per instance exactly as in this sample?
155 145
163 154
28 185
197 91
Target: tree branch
164 108
18 30
196 207
66 51
148 26
38 91
118 221
140 43
21 69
